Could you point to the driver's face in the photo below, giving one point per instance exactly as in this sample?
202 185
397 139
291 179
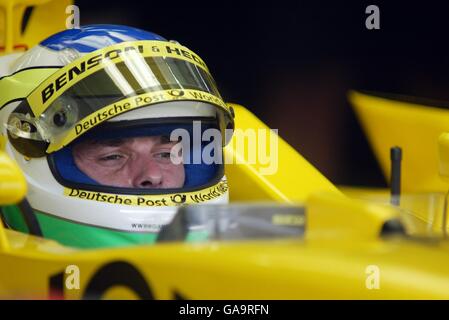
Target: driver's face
141 162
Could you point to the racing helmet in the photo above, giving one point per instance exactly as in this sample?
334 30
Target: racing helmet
99 84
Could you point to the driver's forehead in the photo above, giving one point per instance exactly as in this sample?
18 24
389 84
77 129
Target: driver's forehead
99 144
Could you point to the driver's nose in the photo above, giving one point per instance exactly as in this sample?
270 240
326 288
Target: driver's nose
147 174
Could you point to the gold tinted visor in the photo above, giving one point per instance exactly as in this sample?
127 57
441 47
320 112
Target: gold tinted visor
111 81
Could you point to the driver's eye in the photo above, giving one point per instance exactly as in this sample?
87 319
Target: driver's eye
163 155
111 157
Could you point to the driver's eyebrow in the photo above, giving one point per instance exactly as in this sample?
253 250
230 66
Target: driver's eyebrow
166 140
109 142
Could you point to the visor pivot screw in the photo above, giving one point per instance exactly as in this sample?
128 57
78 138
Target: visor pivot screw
60 119
26 127
15 125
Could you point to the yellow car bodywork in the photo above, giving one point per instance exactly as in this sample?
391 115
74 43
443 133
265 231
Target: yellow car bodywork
12 12
342 248
412 125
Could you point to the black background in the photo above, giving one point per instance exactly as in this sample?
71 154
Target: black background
293 63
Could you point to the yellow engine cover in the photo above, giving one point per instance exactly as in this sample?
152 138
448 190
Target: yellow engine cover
413 127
